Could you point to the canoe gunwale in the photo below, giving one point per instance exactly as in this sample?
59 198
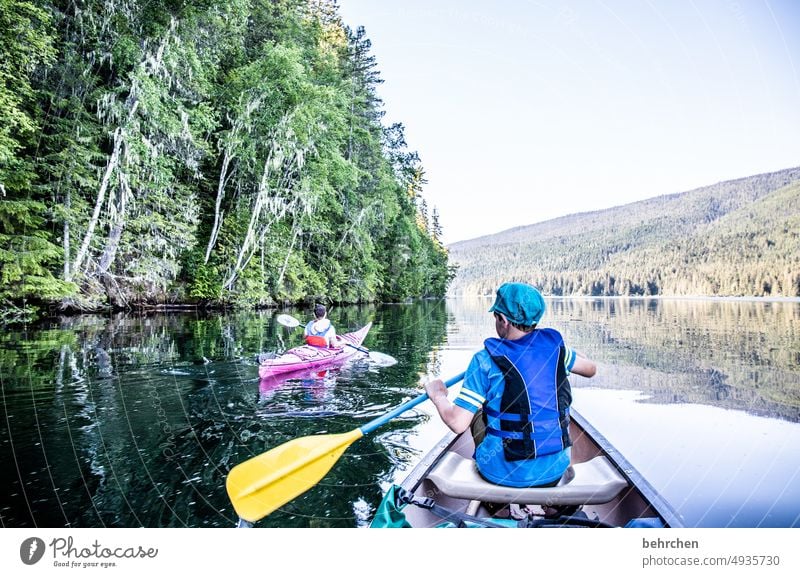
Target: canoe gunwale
635 479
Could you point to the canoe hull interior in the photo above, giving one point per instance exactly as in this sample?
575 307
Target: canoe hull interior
634 497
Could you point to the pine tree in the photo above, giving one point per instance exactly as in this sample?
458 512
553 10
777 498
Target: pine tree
27 251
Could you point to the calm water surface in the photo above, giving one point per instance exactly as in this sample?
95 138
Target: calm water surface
130 421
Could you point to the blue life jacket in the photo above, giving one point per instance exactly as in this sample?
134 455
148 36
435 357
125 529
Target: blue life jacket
533 419
316 338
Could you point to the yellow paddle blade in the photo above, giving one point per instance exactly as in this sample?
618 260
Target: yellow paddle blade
262 484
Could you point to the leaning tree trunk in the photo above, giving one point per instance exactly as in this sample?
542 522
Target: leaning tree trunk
111 167
223 179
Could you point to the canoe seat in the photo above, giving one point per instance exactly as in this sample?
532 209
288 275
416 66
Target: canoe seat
595 481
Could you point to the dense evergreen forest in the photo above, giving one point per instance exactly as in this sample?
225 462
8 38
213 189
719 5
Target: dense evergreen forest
202 151
735 238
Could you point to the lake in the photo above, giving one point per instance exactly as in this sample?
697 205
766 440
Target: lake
135 420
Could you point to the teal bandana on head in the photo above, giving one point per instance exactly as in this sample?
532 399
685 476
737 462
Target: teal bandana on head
521 303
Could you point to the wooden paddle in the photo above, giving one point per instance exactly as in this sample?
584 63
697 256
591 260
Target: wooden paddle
381 359
260 485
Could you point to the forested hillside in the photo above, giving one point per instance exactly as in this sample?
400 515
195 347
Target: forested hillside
205 151
735 238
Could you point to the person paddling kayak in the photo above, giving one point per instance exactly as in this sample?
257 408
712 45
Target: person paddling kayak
320 332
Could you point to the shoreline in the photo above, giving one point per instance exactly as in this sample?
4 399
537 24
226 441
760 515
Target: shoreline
651 297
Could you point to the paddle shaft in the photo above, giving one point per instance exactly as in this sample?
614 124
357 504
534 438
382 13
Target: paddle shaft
294 326
383 419
362 349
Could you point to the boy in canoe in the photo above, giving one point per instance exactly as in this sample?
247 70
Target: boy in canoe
519 380
320 332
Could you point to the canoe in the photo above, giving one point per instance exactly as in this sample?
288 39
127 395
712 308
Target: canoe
308 357
601 482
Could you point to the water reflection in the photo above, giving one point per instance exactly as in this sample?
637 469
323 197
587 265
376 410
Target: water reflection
702 396
130 421
718 468
136 420
742 355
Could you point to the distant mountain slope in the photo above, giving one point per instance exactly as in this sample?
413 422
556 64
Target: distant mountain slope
734 238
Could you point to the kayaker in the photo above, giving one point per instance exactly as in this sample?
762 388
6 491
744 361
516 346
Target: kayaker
519 380
320 332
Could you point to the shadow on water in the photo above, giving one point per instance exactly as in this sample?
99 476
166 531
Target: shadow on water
129 421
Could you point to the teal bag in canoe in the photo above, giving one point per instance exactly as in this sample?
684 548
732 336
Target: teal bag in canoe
389 515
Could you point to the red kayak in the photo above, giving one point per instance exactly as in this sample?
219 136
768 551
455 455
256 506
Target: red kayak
308 357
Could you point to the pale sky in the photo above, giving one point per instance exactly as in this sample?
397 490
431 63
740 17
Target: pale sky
523 111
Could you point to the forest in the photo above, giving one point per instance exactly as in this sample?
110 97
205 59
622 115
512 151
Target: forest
735 238
202 152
